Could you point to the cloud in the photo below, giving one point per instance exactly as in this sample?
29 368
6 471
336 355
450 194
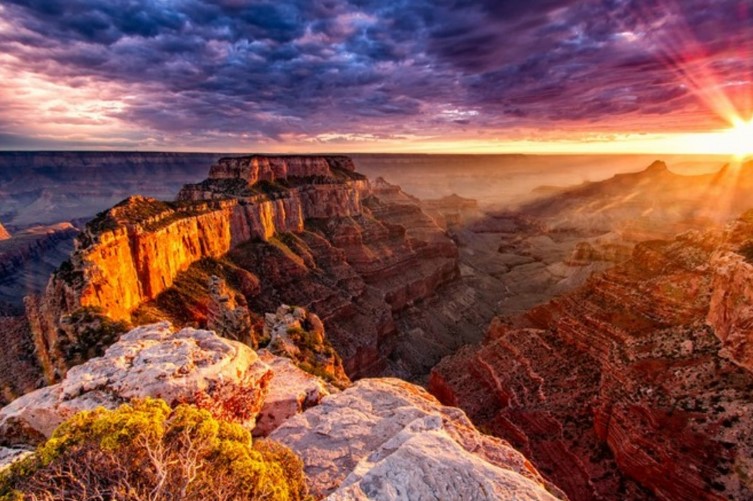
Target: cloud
214 71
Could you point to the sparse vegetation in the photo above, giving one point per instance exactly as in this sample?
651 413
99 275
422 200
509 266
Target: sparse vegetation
147 451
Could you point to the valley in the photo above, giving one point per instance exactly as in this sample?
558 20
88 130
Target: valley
599 329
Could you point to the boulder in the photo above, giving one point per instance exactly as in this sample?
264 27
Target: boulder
187 366
291 391
388 439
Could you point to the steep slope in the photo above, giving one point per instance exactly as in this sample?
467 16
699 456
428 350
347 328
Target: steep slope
288 229
643 373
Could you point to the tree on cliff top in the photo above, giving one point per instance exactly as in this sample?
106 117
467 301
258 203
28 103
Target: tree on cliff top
147 451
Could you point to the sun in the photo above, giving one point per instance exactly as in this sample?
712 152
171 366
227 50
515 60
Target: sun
739 139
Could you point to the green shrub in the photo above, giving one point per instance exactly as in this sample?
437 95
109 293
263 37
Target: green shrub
145 450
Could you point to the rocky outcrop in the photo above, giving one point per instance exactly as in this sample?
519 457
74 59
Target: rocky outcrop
288 168
380 439
185 366
298 335
135 251
295 230
291 391
387 439
638 380
228 314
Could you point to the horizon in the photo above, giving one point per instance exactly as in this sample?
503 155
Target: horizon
481 77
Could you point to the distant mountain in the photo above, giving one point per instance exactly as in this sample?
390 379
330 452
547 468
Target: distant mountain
655 202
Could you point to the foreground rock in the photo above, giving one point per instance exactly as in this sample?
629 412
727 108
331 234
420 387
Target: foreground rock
191 366
387 439
636 385
291 391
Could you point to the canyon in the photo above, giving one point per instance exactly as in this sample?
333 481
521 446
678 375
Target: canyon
295 230
639 380
598 334
353 443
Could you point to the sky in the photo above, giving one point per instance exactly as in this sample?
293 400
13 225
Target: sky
536 76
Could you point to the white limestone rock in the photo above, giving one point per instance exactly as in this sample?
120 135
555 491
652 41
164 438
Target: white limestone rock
190 365
386 439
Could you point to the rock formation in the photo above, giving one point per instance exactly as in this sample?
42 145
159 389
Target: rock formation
291 391
228 313
379 439
298 335
387 439
185 366
296 230
3 233
638 380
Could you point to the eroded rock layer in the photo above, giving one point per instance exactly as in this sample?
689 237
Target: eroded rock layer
387 439
638 384
298 230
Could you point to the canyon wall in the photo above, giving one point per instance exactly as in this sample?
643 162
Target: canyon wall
306 230
636 385
133 252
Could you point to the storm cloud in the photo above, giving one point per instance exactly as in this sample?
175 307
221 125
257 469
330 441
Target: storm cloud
193 71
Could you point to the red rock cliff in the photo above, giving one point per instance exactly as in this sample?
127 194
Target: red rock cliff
636 385
304 230
133 252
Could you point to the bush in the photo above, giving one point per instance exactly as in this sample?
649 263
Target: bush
145 450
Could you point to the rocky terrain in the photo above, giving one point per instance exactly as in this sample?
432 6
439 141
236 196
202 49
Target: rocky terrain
305 231
381 437
636 384
618 365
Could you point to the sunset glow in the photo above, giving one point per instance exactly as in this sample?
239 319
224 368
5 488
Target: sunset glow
347 76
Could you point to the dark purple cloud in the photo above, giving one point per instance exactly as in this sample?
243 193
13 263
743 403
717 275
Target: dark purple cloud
302 68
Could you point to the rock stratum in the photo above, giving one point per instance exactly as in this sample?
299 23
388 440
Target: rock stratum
637 384
298 230
379 439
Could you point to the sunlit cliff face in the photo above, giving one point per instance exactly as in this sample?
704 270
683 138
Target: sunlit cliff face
414 75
